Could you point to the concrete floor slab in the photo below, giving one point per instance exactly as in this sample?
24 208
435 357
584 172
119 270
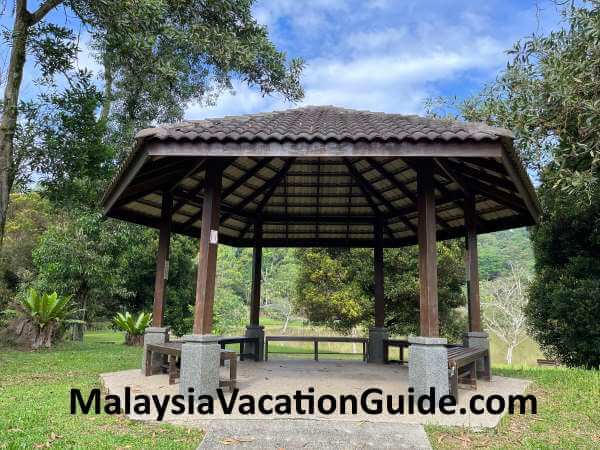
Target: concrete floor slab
326 377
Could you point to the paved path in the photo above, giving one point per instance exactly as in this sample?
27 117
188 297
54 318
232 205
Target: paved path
294 434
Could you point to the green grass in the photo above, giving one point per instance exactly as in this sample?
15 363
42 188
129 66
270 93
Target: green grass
34 399
567 415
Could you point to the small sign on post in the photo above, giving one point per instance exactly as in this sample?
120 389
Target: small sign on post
214 237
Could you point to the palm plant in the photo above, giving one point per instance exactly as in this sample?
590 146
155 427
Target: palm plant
39 318
133 326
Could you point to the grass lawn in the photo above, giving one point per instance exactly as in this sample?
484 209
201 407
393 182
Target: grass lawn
34 399
34 404
568 415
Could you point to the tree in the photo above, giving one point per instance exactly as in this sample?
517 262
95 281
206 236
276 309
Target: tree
563 307
548 96
157 57
335 288
504 309
280 270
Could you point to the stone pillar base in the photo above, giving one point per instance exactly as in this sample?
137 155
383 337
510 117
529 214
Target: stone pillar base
376 337
256 331
154 335
477 339
428 365
200 360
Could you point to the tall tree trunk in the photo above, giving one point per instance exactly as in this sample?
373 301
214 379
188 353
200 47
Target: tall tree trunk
8 124
108 82
22 24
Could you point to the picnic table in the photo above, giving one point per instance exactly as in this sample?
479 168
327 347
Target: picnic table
315 340
173 352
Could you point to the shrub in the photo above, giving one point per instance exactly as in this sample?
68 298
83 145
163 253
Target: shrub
133 327
39 319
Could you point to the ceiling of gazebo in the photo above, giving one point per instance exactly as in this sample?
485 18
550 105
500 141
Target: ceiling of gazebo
322 176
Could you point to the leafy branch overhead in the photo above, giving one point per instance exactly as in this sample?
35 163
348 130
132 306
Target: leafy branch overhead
157 56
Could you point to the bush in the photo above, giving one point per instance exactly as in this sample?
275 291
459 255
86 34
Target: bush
39 319
563 306
133 327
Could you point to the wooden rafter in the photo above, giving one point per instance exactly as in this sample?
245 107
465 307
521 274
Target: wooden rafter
370 190
245 177
363 186
401 187
276 181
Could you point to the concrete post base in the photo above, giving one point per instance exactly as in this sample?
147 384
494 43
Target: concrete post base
256 331
376 337
154 335
200 360
477 339
428 365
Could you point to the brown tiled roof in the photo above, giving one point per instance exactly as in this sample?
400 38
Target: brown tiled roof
322 123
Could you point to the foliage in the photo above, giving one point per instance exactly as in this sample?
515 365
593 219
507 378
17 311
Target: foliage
279 272
229 313
70 155
503 308
336 288
563 308
28 217
107 265
158 56
499 251
39 318
132 325
548 97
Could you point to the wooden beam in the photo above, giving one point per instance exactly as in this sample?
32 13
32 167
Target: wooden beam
428 299
453 176
327 149
268 185
256 276
207 264
472 265
162 261
369 191
245 177
530 200
378 276
395 182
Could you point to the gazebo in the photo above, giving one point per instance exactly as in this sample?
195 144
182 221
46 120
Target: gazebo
322 176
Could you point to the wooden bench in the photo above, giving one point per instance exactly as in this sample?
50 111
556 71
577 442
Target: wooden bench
315 340
401 344
173 352
242 340
463 367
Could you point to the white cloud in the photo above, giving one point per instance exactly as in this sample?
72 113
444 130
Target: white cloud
363 57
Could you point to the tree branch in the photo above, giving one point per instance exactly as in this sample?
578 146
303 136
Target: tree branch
44 9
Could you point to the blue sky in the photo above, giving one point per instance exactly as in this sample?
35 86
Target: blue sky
380 55
389 55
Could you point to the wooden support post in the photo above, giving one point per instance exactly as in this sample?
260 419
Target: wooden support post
428 303
207 264
162 260
256 276
378 276
472 265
